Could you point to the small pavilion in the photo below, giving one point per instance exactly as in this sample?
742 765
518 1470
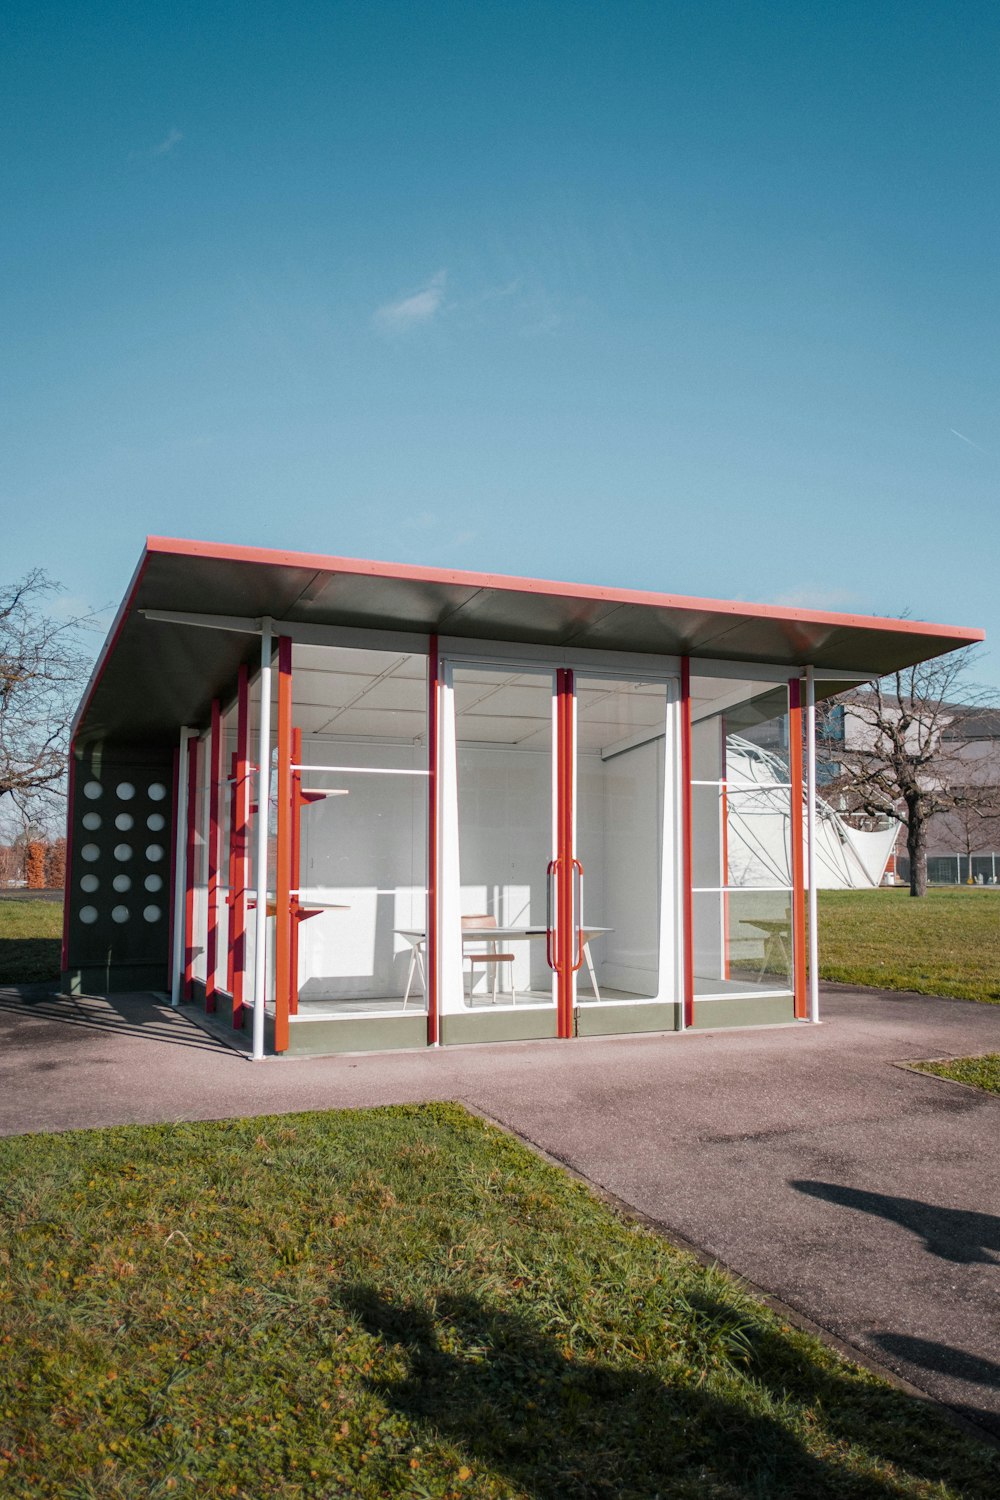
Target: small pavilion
355 805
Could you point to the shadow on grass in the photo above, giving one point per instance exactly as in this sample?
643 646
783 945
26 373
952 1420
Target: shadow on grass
957 1234
29 960
554 1424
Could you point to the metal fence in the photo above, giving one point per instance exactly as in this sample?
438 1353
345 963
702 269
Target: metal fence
956 869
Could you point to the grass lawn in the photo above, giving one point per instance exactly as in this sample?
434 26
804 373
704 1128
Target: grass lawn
403 1302
945 943
30 938
981 1072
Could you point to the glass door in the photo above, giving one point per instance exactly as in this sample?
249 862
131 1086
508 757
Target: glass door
500 840
558 806
624 808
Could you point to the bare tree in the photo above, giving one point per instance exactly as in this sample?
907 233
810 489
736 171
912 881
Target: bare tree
904 756
43 666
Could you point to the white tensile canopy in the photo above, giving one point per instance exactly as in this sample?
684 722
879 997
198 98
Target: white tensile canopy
759 829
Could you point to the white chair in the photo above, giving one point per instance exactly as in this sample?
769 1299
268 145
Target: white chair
490 955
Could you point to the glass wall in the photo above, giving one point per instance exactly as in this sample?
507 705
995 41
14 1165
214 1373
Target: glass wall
621 770
502 745
361 885
741 816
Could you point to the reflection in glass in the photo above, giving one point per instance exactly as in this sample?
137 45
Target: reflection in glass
741 824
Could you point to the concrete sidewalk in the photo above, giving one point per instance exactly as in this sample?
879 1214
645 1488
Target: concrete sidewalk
862 1194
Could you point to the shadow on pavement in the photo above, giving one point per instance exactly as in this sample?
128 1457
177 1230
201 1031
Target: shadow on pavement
941 1357
945 1359
553 1424
956 1234
112 1016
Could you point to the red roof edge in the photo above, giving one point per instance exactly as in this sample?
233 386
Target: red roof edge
320 563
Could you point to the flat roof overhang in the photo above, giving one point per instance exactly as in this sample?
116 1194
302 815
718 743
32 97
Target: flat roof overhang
153 676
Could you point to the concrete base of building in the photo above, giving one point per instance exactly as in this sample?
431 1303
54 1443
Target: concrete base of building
498 1026
622 1020
746 1010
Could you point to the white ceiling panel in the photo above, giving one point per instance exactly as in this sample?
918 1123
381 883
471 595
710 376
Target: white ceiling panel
378 723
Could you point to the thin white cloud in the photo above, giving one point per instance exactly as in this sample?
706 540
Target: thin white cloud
395 318
172 138
964 439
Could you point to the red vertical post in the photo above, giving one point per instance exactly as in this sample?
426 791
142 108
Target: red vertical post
433 742
564 853
189 865
231 878
214 854
797 793
687 858
295 903
175 783
239 849
283 873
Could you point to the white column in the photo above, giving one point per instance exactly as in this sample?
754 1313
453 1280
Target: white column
263 800
811 844
180 870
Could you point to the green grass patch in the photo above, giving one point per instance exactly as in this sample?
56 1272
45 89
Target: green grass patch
30 939
944 943
403 1302
980 1072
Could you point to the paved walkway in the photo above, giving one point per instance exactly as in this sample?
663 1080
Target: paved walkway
864 1195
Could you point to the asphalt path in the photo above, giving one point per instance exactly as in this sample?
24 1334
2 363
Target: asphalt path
809 1160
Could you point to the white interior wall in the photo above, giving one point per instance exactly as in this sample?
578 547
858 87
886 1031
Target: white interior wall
504 821
619 837
365 851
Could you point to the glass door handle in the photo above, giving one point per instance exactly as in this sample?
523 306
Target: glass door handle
550 907
577 869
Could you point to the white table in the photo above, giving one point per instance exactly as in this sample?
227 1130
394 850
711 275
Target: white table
417 938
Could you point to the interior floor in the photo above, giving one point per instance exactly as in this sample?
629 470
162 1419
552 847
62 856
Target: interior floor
713 988
324 1010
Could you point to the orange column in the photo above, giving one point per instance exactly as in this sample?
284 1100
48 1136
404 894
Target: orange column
214 854
283 875
564 853
687 860
433 740
296 877
798 850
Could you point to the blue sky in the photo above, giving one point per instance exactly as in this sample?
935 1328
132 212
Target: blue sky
697 297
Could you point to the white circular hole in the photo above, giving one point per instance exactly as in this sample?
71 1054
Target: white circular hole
119 914
123 851
125 790
157 791
151 913
91 821
88 914
155 822
90 852
153 883
122 883
124 822
93 790
89 883
154 852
